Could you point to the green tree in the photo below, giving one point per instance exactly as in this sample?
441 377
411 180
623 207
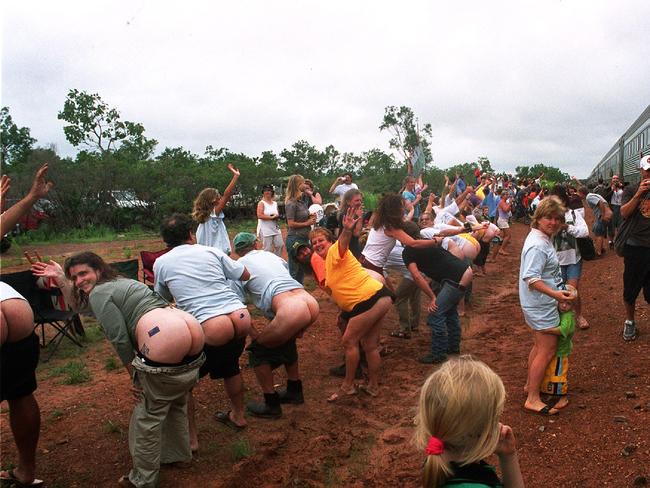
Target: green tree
406 132
94 125
551 173
16 141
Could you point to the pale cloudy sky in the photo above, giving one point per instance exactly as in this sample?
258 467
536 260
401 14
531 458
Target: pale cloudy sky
518 81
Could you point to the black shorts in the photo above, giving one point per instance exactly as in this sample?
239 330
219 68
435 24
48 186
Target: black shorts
483 254
636 275
366 305
286 354
18 361
223 361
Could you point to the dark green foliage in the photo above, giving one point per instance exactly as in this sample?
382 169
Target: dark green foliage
551 174
15 142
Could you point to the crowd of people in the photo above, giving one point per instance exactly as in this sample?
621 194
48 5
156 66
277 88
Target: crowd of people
196 320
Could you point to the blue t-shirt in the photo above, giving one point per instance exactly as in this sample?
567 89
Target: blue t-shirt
492 202
539 260
196 277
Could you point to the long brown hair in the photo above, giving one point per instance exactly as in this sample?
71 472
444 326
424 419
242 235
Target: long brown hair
94 261
204 204
293 191
389 213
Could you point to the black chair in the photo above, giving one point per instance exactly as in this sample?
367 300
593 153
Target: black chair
128 269
64 322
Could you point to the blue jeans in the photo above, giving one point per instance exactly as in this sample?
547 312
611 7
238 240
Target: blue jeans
445 323
295 268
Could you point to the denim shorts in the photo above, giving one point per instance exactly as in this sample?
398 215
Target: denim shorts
571 271
599 228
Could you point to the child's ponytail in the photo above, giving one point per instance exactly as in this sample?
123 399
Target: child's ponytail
436 469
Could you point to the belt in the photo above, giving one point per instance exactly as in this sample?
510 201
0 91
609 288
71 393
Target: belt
453 284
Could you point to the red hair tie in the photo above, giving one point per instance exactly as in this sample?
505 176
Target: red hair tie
434 447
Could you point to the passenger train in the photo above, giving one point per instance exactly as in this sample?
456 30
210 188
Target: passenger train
623 158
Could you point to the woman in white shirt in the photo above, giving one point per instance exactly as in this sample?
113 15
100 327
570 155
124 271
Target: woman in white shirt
268 229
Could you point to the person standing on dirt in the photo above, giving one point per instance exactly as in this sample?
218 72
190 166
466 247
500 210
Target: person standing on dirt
454 277
290 309
636 247
161 348
299 221
363 299
19 348
208 212
540 290
267 222
196 277
602 216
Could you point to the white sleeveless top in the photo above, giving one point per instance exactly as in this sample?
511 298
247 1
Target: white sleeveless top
378 247
266 228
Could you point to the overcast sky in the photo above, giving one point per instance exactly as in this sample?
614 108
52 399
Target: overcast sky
517 81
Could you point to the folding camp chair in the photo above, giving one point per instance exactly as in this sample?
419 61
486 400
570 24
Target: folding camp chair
63 321
148 259
128 269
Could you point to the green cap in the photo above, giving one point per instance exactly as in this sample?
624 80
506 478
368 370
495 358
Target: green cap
244 239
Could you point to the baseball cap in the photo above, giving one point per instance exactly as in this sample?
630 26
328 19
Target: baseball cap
244 239
645 163
293 250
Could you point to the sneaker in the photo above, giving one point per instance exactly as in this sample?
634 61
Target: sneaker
268 409
629 330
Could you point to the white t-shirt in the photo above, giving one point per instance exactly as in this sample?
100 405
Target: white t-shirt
342 189
593 199
378 247
266 228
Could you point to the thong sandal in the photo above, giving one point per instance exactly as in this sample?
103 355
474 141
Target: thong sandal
546 410
12 480
341 395
400 334
224 418
369 391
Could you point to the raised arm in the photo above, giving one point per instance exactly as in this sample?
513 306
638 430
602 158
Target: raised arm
336 183
227 193
628 209
40 188
350 220
53 270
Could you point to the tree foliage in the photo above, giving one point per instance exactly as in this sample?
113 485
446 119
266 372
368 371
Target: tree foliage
551 173
93 125
16 142
406 132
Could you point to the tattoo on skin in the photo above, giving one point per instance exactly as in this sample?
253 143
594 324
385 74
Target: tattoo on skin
154 331
144 350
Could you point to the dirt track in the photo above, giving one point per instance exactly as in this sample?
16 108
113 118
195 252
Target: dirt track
601 439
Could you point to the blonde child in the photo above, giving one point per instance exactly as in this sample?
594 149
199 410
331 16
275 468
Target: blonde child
458 427
208 212
555 383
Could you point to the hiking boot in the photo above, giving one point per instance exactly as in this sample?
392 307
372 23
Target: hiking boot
293 393
629 330
270 409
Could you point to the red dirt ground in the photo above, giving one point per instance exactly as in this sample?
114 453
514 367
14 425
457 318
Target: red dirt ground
601 439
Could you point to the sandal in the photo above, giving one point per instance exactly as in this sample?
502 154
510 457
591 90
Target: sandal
341 395
400 334
369 391
224 418
11 480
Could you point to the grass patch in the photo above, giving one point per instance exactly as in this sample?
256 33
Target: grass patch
55 415
330 476
111 427
73 372
48 235
245 225
240 449
359 455
111 364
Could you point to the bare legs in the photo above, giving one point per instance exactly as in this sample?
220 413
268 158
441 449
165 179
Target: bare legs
540 355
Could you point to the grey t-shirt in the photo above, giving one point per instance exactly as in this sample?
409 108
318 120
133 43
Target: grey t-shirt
269 277
118 305
593 199
297 210
640 232
196 277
